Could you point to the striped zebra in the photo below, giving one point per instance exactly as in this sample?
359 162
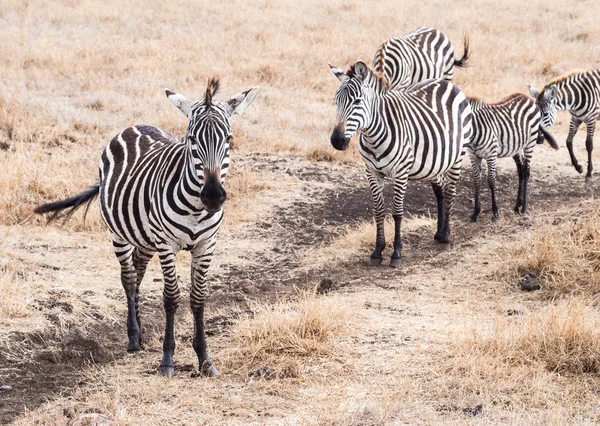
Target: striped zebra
509 128
417 56
161 195
578 93
413 134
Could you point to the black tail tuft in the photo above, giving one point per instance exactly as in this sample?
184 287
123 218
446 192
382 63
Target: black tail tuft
543 134
462 62
72 204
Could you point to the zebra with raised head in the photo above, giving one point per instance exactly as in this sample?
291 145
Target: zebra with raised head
578 93
161 195
417 56
414 134
509 128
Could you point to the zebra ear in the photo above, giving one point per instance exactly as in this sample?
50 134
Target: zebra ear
361 70
533 92
182 103
240 102
550 92
338 73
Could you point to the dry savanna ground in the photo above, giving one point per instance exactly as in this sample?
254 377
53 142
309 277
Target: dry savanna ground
449 338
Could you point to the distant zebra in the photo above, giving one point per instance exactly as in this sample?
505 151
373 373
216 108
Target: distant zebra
578 93
417 56
158 194
509 128
413 134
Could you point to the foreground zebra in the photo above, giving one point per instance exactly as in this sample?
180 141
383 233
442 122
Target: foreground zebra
578 93
509 128
417 56
416 134
158 194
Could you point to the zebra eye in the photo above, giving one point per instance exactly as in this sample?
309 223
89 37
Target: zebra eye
357 102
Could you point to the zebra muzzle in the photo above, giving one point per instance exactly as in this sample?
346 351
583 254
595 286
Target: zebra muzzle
213 195
339 140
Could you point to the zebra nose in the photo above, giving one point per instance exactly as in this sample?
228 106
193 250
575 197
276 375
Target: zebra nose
339 140
213 195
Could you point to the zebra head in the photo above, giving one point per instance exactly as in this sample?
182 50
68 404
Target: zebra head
208 136
353 108
546 102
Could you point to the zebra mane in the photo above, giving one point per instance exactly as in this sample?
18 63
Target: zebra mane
562 79
381 52
478 103
212 89
379 76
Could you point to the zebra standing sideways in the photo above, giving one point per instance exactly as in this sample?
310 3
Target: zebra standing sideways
578 93
509 128
158 194
417 56
413 134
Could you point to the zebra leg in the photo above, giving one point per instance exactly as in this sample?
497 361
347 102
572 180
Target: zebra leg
575 123
589 146
491 165
476 174
397 213
519 164
525 183
140 262
450 180
124 252
171 296
438 190
376 184
201 257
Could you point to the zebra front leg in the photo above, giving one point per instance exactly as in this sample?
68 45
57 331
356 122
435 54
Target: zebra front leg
476 174
575 123
124 252
376 185
397 212
519 201
491 165
171 296
526 170
450 180
589 146
140 262
201 258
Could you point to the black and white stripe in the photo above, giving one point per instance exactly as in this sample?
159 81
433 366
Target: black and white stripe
413 134
161 195
417 56
578 93
509 128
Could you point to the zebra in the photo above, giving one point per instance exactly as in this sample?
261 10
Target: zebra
578 93
509 128
414 134
417 56
161 195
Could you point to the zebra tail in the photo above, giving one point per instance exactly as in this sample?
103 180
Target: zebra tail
462 62
70 204
545 135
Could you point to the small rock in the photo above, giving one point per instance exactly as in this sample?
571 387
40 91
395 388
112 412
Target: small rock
5 388
265 373
513 312
530 283
325 286
475 411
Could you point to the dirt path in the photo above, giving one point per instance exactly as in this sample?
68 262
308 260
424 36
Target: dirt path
310 206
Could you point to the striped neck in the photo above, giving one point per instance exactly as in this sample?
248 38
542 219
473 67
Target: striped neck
191 179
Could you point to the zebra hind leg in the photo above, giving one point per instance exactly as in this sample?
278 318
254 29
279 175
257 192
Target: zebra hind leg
450 180
519 201
438 190
124 252
589 146
140 262
376 185
476 174
491 165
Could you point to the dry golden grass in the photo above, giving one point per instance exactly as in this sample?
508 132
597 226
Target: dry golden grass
563 254
18 292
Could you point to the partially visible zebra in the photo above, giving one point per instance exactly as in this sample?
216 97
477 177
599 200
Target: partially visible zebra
417 56
413 134
158 194
509 128
578 93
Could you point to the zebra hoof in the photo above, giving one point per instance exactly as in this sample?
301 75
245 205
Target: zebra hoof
579 168
395 263
375 261
473 219
166 371
588 180
210 371
134 346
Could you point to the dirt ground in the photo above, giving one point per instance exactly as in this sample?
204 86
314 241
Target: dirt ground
269 255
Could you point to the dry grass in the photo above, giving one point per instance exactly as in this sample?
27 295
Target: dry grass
18 292
242 185
563 254
288 334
